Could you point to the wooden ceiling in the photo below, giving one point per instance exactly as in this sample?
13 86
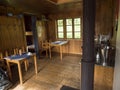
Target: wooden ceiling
44 6
62 1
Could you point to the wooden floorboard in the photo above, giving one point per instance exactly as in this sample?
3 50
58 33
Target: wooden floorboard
53 74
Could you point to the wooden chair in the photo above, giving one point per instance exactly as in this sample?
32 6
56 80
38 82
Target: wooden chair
23 50
2 61
20 51
44 47
6 53
16 51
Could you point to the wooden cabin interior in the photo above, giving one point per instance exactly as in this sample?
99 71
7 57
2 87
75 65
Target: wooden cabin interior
35 28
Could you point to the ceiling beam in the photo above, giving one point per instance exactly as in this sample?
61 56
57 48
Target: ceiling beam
53 1
66 1
62 1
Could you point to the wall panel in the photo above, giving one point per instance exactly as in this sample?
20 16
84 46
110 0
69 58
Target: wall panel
103 23
11 33
74 45
104 16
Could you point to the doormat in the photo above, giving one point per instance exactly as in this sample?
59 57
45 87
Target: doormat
67 88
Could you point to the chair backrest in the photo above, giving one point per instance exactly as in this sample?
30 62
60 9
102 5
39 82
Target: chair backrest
45 44
19 50
16 51
23 50
6 53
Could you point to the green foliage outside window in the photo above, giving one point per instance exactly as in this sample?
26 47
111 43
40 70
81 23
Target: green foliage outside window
60 22
72 30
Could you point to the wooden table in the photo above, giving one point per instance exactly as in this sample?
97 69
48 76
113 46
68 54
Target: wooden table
57 44
18 59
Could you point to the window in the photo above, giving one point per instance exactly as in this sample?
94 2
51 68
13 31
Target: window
69 28
77 31
60 29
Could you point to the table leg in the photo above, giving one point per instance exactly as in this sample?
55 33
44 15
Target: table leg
20 73
35 63
46 53
67 49
61 53
50 52
9 70
26 65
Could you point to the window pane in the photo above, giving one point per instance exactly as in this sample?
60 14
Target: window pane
77 21
69 21
77 28
77 35
69 35
60 22
69 28
60 35
60 29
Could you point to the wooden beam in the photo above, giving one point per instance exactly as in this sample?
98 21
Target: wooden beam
66 1
62 1
52 1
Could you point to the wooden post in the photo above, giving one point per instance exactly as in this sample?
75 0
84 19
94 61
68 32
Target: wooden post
87 66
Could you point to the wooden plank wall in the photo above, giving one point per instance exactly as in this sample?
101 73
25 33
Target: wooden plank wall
104 16
11 33
74 45
42 32
104 23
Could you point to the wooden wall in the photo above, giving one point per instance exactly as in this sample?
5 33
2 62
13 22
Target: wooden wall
104 23
74 45
41 31
4 10
116 83
11 33
104 16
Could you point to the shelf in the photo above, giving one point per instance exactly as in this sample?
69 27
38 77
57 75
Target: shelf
28 33
30 46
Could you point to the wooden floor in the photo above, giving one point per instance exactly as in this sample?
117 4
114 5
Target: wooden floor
53 74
